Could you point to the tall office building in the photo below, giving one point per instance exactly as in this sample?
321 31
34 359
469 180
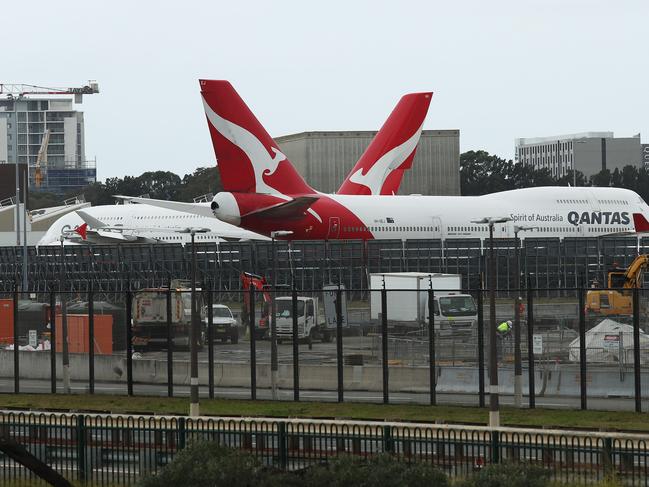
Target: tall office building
23 124
588 152
324 159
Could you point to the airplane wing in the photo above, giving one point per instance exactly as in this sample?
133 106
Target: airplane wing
201 209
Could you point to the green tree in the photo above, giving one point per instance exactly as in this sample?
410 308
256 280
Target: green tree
202 181
602 179
162 185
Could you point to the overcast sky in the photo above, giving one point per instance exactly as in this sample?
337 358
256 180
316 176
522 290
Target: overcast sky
499 69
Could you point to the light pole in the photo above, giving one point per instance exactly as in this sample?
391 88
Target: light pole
494 406
65 357
194 331
518 369
274 366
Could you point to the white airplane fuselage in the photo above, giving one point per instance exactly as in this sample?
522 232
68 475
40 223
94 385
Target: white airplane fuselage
143 223
553 211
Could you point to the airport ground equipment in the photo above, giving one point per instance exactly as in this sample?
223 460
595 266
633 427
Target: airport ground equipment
407 307
149 311
258 283
617 299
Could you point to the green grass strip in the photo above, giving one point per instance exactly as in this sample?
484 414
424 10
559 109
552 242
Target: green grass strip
540 418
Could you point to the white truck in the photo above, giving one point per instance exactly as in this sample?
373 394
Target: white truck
311 322
407 301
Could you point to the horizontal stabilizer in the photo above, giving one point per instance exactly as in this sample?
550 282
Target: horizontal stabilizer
290 210
91 221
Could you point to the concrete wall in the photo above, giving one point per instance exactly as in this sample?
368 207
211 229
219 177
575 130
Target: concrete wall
325 159
555 381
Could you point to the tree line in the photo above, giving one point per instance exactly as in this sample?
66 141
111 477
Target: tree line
480 173
164 185
484 173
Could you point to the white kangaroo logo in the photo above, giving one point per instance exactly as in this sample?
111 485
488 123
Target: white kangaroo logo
375 176
263 164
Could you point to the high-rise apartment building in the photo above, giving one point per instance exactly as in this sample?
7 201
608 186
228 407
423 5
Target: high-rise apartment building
23 124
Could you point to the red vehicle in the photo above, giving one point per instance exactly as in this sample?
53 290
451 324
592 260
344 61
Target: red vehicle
258 283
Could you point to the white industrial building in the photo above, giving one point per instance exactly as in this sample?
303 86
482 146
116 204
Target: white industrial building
588 152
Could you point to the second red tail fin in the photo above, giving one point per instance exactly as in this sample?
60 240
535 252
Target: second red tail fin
391 152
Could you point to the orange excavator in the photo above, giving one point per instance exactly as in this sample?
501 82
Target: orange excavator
617 300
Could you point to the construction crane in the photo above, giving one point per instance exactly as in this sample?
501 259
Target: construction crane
18 90
41 158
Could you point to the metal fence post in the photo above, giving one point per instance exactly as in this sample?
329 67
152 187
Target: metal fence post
81 448
339 345
210 341
282 445
495 446
636 349
129 344
170 347
388 442
582 347
384 343
481 394
53 342
182 433
530 344
432 373
253 345
91 340
16 334
296 348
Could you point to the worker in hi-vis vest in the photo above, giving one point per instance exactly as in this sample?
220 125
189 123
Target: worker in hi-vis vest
505 328
504 331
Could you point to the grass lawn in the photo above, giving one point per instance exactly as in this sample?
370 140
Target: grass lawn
596 420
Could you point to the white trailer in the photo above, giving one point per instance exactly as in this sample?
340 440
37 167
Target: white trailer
407 300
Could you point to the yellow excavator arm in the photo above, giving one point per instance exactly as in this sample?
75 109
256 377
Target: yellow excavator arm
634 272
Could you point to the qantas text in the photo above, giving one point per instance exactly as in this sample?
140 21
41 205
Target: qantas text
577 218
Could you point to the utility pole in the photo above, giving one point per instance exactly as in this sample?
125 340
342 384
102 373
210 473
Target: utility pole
194 331
518 368
274 363
494 405
64 323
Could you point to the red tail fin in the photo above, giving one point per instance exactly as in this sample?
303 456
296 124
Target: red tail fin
381 167
248 158
82 230
640 222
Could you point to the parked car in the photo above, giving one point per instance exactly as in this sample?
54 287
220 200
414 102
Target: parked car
225 325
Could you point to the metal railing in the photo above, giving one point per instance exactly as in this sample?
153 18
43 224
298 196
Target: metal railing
117 450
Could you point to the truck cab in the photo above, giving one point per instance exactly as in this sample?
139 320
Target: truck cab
454 313
310 322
